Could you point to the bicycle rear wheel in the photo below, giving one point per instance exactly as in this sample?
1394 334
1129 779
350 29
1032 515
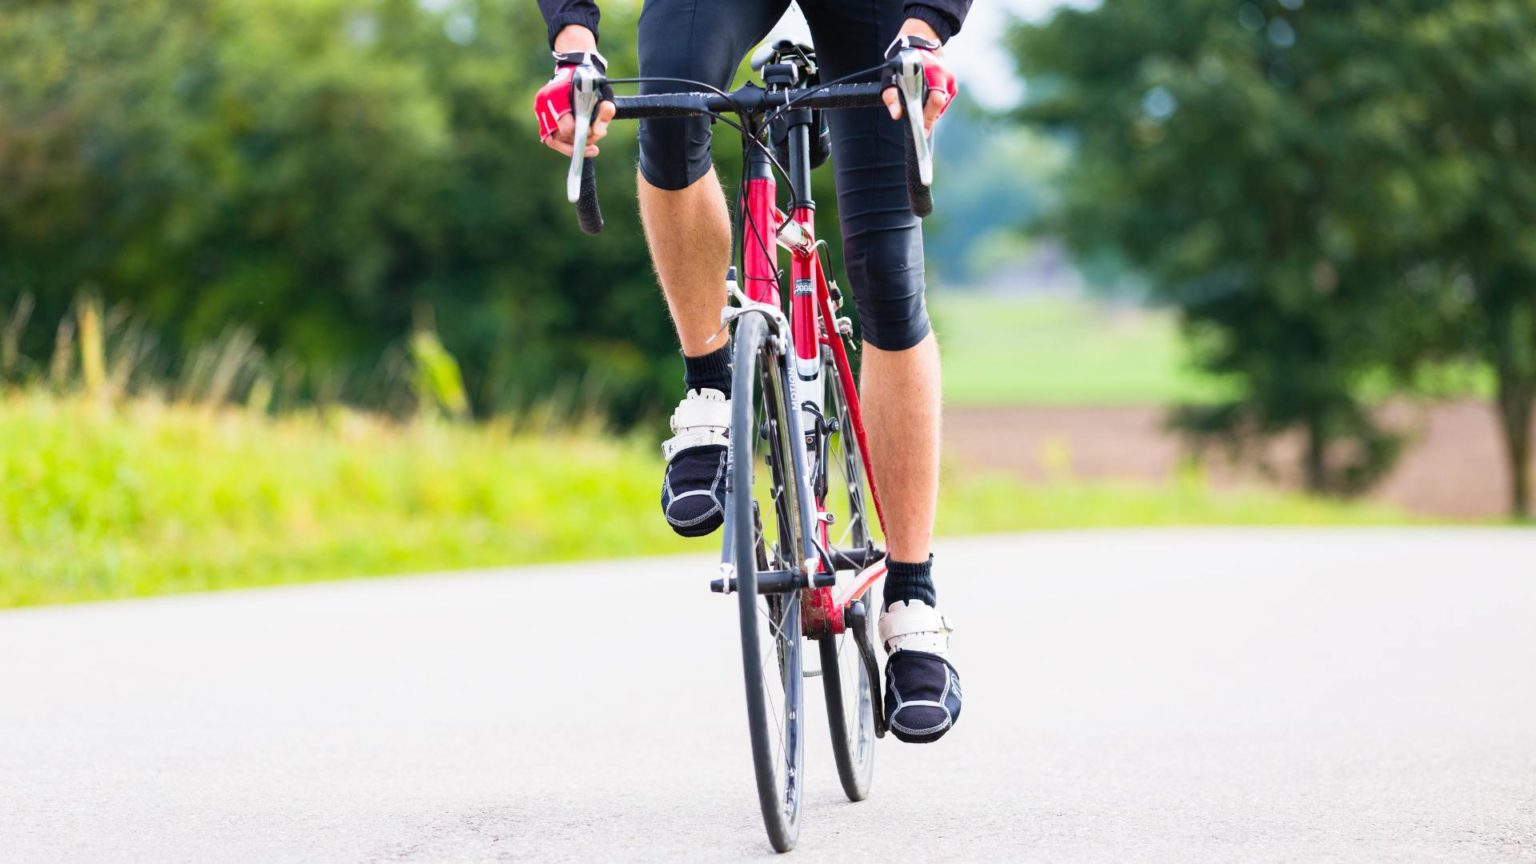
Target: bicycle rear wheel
849 691
766 537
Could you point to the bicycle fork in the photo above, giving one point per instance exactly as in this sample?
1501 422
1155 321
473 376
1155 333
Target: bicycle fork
808 570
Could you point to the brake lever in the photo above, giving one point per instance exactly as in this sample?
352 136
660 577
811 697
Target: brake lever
913 86
584 85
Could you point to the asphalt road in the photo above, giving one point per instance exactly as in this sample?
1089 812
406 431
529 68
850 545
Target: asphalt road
1176 696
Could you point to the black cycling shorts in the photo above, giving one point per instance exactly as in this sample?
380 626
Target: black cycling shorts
705 40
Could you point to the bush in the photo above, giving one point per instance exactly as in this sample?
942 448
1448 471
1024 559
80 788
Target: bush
327 173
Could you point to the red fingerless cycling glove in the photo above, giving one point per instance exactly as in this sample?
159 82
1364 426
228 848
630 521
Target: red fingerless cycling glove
553 100
938 77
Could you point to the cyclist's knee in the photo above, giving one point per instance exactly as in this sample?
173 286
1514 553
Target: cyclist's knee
900 329
674 152
886 272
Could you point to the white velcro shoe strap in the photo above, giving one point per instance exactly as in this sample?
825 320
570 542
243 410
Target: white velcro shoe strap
702 409
917 626
694 438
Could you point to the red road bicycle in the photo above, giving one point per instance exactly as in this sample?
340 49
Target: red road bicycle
799 549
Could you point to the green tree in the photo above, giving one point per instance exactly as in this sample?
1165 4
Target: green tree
331 174
1262 165
1474 74
326 172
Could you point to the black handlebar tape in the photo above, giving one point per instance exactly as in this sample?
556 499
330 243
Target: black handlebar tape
844 96
660 105
749 99
588 213
920 196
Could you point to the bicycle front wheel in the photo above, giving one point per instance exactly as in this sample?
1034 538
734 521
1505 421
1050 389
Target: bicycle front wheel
766 540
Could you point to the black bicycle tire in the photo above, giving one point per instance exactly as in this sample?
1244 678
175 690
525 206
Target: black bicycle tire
781 822
856 779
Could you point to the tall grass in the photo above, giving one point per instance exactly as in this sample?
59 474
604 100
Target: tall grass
108 354
147 497
118 481
124 473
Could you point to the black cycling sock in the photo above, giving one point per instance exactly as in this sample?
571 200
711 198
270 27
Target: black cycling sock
709 372
907 582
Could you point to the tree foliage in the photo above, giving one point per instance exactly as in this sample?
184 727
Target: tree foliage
1476 74
333 175
1305 182
329 173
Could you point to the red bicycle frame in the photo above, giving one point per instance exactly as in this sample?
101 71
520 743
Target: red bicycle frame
813 323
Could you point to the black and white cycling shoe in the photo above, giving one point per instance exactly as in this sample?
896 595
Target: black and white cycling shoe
693 489
922 688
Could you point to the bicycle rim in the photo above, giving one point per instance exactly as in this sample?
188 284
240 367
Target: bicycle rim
763 504
849 692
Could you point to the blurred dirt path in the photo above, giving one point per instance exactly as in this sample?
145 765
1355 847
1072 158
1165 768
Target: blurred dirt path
1453 465
1168 696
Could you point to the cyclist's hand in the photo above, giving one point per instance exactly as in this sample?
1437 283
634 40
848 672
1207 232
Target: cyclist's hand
942 85
552 104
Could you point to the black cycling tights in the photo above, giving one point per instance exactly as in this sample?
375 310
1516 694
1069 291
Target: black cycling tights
705 40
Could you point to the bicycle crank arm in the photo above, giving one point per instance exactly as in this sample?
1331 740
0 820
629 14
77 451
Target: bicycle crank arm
855 619
855 559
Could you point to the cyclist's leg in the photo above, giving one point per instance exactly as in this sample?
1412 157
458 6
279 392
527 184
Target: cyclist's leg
687 226
883 251
686 220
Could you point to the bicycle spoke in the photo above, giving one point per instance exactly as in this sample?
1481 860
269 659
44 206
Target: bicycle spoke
773 658
777 712
853 520
776 627
775 634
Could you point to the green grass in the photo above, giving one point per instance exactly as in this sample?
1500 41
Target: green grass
1001 351
146 498
1024 351
149 499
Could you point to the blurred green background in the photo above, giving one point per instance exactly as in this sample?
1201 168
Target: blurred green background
289 290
